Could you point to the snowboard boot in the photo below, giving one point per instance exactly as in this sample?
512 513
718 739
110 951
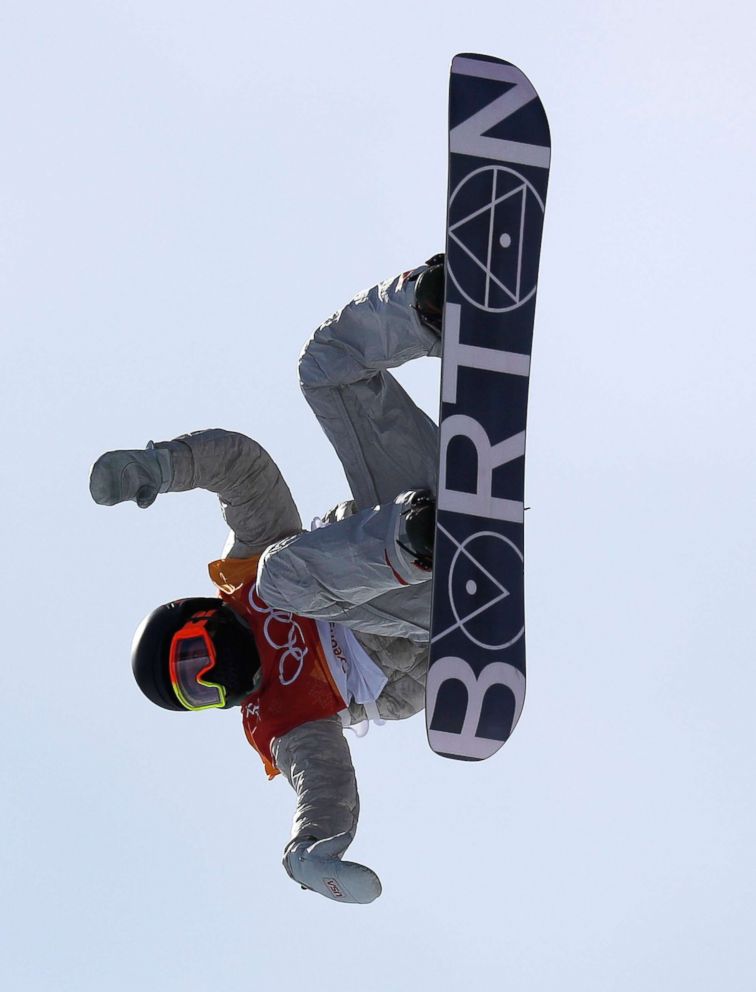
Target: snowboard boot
419 529
429 293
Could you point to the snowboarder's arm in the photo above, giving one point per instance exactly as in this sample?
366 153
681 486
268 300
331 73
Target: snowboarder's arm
316 761
255 500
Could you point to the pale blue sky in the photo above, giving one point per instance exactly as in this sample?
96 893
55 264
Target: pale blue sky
186 190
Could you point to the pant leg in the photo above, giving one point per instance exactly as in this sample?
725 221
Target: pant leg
385 443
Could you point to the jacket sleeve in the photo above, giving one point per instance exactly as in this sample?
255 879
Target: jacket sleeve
255 500
315 760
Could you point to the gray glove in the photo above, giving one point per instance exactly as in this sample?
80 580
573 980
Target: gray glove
318 866
137 475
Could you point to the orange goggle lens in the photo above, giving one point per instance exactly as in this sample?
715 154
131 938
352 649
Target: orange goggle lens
192 659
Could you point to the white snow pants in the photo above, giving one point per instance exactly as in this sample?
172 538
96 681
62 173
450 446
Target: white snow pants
386 444
352 569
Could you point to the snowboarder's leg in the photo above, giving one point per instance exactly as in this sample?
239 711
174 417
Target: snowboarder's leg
386 444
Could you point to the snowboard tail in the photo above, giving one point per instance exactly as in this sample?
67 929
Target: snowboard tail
499 153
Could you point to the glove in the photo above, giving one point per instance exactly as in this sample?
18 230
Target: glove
318 866
137 475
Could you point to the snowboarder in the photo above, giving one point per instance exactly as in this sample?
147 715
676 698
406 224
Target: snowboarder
315 630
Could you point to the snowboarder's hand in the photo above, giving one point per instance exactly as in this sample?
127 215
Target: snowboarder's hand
136 475
318 866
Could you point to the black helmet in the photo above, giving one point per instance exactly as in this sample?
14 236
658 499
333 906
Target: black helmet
237 658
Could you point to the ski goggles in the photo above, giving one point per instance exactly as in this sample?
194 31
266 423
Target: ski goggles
192 658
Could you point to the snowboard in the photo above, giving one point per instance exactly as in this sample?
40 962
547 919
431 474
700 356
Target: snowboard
499 152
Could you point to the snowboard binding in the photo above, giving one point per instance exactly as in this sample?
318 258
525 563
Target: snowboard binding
419 526
429 293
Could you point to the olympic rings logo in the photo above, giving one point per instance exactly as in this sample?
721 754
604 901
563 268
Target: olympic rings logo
284 634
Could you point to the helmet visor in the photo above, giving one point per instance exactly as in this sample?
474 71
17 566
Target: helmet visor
192 660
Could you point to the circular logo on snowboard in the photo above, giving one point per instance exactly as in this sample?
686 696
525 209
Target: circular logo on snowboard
486 603
495 222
